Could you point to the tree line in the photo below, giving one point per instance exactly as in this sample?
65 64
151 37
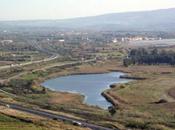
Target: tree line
150 57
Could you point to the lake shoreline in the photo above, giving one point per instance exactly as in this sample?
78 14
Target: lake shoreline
84 69
105 96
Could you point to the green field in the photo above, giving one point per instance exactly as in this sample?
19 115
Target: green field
8 123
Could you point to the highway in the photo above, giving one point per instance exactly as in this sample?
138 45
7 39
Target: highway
49 114
45 60
29 63
53 116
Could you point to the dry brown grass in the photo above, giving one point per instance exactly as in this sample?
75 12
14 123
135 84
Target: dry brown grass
142 95
64 97
171 92
137 98
40 122
20 115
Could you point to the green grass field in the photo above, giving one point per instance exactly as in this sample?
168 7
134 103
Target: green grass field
140 110
8 123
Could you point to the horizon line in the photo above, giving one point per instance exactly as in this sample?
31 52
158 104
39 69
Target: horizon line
71 18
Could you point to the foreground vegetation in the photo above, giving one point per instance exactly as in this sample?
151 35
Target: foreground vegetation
139 105
13 119
145 104
8 123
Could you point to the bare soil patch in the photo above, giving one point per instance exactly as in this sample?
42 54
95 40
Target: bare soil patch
171 92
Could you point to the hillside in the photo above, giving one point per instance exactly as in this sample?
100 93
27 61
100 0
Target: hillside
157 20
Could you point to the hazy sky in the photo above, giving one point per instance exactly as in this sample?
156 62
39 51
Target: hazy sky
60 9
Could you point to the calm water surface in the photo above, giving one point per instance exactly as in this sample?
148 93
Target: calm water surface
89 85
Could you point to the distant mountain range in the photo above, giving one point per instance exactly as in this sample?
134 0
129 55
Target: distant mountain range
157 20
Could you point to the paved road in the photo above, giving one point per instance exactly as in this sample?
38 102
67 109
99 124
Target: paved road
29 63
54 116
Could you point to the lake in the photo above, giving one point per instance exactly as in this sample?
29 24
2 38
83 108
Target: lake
89 85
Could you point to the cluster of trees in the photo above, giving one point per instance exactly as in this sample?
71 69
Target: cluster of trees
21 87
145 56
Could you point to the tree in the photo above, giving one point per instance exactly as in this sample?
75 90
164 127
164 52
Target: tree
143 56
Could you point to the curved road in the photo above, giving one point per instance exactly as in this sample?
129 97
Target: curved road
53 116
